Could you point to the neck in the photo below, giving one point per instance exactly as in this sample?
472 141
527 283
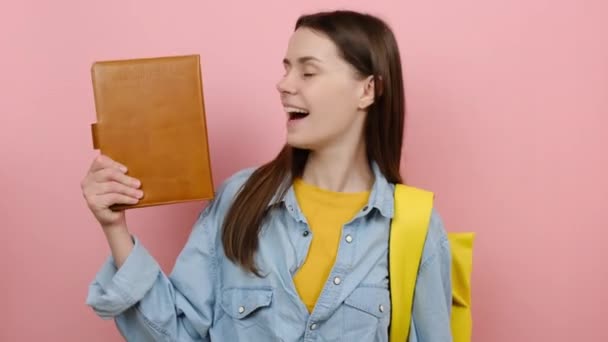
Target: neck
339 169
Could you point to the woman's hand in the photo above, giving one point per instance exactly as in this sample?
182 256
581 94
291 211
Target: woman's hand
106 184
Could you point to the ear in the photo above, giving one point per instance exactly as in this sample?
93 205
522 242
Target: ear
368 94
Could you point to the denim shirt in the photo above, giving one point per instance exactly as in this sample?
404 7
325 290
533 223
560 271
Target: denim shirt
208 298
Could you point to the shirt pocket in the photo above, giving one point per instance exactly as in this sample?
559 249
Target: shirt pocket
367 312
248 306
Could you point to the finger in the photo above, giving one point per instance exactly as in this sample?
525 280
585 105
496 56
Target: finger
112 174
108 200
118 188
103 161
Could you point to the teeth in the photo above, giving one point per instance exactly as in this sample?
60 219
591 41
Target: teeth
295 110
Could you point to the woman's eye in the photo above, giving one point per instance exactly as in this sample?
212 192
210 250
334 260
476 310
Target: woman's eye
308 75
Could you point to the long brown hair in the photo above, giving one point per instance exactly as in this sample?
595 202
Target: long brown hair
368 44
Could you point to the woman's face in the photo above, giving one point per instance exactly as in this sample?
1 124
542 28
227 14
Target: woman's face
323 96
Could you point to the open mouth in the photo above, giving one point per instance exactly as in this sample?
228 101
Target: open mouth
296 113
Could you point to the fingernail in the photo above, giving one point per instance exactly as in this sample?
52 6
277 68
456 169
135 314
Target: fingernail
123 168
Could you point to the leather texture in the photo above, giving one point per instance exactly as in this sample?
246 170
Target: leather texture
151 118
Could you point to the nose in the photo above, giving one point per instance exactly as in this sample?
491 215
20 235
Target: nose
286 86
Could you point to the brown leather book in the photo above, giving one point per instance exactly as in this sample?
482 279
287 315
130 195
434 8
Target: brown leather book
151 118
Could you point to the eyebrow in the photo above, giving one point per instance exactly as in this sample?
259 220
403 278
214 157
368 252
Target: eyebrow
302 60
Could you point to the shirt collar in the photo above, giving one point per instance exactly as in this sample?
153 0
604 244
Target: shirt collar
381 197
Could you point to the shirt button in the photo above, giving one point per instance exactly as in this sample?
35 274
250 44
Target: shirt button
241 309
313 326
349 238
381 308
305 233
337 280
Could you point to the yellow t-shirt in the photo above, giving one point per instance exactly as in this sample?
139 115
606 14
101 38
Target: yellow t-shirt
326 212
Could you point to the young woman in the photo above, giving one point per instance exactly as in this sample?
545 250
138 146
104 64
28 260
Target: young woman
297 249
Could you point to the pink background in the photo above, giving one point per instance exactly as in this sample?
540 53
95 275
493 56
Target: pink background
507 104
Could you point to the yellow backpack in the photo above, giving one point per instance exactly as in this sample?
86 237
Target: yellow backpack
407 236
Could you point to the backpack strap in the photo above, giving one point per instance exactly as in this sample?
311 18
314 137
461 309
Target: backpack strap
407 237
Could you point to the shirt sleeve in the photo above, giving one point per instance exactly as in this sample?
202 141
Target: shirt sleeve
433 295
146 304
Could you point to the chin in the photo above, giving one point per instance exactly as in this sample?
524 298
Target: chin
300 143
